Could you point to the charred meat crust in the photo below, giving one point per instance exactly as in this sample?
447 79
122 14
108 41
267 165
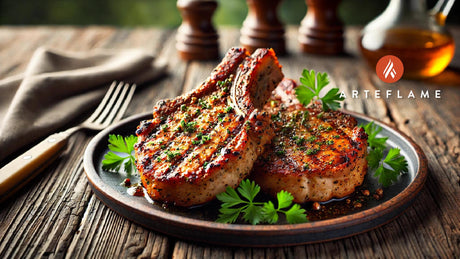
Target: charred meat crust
333 140
232 165
224 69
311 150
197 144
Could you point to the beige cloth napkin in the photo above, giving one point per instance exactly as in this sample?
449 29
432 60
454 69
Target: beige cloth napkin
57 88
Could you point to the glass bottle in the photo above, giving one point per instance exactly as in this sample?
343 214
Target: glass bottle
406 30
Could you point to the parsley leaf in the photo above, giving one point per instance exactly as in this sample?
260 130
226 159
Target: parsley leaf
230 198
373 158
228 215
372 130
252 214
393 165
249 189
293 215
233 204
284 199
386 176
296 215
271 215
311 85
396 165
113 162
304 95
330 100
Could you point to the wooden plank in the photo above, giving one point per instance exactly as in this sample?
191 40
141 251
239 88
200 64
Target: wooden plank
55 216
169 86
435 129
56 202
103 226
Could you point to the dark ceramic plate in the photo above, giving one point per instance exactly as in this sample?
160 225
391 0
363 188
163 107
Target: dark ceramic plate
199 224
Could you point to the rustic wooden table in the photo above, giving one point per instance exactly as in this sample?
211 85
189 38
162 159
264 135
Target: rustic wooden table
57 215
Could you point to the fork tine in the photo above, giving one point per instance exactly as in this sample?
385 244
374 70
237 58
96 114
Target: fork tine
121 105
108 106
126 101
104 101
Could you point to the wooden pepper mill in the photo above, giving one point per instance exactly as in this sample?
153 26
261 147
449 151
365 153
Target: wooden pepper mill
321 31
262 28
197 38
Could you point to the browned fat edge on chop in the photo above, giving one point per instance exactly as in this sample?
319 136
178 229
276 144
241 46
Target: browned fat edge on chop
198 144
315 155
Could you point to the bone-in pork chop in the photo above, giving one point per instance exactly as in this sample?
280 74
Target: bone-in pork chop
198 144
315 155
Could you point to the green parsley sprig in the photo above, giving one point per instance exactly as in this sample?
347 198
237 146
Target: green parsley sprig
397 165
386 169
311 85
241 201
374 142
113 162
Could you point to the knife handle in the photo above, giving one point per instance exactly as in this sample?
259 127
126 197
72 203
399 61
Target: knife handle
25 167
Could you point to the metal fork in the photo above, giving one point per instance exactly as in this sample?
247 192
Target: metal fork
18 172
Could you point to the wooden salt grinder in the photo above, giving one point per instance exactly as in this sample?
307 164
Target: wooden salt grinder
321 31
197 38
262 28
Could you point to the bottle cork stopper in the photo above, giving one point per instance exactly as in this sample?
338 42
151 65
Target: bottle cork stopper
197 38
262 28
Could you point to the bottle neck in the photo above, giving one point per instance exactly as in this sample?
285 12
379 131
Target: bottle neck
441 10
408 9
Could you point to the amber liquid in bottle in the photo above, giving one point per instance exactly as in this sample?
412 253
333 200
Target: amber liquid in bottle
423 53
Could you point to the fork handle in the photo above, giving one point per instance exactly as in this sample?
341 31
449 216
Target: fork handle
24 168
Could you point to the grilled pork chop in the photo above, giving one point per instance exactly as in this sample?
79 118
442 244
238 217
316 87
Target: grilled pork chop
315 155
198 144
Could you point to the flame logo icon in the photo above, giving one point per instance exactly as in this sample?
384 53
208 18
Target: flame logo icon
389 69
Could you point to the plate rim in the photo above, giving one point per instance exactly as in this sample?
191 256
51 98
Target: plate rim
401 201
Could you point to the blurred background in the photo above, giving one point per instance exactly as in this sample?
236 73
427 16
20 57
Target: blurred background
164 12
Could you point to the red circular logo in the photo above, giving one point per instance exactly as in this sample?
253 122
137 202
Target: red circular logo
389 69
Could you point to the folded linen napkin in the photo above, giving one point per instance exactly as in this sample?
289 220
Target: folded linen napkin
57 88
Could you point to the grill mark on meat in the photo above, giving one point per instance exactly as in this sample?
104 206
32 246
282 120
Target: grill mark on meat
187 154
315 155
218 134
177 139
216 145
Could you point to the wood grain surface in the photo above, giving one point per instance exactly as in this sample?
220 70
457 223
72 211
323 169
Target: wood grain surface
58 216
